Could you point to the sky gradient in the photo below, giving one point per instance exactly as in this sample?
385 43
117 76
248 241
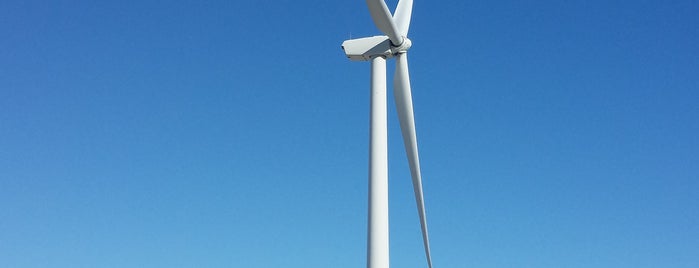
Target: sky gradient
235 134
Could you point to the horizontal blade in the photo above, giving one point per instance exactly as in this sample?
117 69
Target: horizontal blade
402 16
404 106
383 20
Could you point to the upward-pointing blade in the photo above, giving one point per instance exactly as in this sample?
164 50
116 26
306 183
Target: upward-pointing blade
383 20
404 106
402 16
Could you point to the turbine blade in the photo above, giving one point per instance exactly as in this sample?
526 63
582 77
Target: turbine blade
402 16
404 106
383 20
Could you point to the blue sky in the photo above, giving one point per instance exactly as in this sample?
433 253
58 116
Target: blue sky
235 134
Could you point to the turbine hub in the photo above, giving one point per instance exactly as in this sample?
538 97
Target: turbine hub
403 47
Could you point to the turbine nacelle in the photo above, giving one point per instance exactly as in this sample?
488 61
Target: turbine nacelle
364 49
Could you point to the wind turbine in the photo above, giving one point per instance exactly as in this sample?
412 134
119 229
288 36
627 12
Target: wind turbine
377 49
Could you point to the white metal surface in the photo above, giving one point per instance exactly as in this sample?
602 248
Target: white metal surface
377 244
363 49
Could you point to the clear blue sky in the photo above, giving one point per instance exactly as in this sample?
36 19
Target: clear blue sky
235 134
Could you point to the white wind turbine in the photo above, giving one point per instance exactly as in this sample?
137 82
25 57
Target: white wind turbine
377 49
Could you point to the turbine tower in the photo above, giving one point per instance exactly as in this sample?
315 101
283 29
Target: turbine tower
377 49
